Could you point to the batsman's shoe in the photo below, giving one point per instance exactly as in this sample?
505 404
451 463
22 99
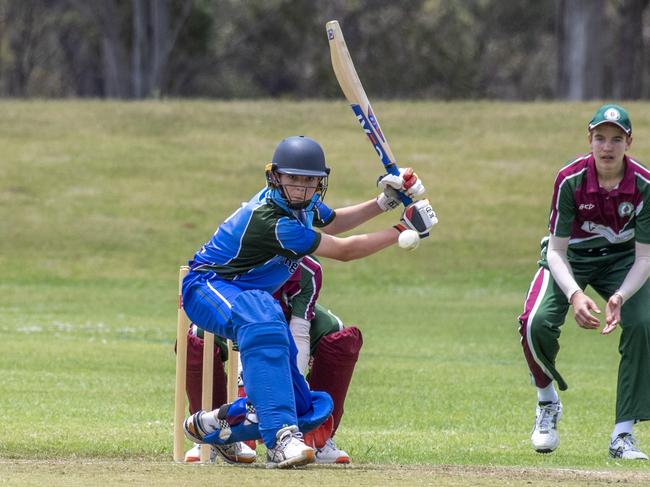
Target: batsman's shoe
331 454
237 452
193 427
545 438
233 453
624 447
289 450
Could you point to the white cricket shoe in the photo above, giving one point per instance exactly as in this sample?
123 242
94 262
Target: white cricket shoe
231 453
545 437
193 427
624 447
238 452
194 454
289 450
331 454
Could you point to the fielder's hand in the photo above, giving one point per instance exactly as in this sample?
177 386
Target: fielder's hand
583 306
419 216
391 185
612 313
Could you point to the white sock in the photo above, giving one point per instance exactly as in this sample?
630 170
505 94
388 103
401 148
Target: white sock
622 427
547 394
209 421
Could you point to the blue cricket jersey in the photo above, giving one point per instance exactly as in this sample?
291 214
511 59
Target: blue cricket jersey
261 244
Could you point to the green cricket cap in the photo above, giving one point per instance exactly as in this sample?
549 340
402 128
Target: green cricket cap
611 113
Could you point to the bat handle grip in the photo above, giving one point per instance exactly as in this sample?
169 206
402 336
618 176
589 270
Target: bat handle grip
405 199
392 168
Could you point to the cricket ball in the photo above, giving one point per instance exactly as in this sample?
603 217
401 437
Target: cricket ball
409 240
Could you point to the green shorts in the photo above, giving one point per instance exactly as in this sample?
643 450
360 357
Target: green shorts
545 310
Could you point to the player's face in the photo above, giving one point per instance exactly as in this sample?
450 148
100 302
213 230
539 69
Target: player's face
299 188
609 143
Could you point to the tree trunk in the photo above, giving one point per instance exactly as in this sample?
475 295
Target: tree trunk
21 45
139 38
116 76
160 41
164 34
628 71
580 49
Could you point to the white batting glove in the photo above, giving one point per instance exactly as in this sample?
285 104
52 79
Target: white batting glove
392 185
418 216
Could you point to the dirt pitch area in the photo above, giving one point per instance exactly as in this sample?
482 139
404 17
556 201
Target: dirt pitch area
147 473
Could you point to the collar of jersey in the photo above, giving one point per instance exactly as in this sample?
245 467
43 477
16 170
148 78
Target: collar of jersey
626 186
278 200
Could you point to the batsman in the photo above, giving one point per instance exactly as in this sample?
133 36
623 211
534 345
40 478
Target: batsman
232 278
327 353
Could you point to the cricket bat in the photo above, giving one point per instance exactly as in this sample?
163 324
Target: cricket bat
353 90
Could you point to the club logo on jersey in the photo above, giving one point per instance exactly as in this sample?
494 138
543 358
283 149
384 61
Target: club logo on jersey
625 209
612 114
292 265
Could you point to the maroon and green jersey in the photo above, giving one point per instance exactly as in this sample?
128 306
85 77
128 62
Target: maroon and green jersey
599 221
299 294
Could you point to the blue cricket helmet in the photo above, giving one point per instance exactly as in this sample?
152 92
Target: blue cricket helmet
301 156
298 156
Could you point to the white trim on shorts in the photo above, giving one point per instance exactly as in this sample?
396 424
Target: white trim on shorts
531 315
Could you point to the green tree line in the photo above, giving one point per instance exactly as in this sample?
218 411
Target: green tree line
443 49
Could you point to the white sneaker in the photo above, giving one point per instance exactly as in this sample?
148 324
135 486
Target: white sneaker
545 437
193 427
193 455
232 453
331 454
624 447
238 452
289 450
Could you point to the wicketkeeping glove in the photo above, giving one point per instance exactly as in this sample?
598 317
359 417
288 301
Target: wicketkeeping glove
418 216
391 185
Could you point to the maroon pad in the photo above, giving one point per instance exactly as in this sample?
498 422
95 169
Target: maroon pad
333 366
194 376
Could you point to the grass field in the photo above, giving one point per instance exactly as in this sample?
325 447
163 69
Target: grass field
101 202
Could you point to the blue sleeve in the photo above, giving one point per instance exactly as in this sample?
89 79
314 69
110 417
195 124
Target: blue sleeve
323 215
295 239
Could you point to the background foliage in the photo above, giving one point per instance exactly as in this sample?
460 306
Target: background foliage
442 49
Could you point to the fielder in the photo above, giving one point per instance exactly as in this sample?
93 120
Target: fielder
599 236
331 353
229 288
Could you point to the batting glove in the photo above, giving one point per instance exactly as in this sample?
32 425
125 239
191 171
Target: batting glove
418 216
392 185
